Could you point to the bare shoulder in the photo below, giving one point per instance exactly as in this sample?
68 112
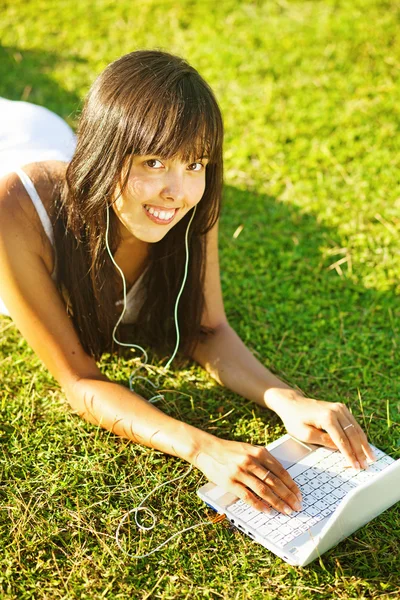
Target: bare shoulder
17 209
27 288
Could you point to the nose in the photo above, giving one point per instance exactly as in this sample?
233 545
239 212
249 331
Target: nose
174 187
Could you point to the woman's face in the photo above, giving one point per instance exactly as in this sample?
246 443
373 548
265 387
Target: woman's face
158 194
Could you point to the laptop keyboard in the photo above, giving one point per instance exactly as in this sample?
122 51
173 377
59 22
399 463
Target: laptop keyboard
324 480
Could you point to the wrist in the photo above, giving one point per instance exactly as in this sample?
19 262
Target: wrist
276 398
190 441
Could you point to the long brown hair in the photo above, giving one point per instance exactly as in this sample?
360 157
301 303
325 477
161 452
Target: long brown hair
146 102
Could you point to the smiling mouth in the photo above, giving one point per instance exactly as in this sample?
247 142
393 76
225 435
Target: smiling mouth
162 217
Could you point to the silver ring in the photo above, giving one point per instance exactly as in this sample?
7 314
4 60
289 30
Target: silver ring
347 426
265 476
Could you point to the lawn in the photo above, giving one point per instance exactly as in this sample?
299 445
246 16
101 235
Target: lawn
311 101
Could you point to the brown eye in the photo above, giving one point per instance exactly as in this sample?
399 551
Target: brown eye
196 164
152 163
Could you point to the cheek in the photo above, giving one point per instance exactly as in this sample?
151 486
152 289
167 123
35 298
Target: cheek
196 192
138 189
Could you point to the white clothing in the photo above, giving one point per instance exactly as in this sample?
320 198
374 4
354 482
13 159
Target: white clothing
31 133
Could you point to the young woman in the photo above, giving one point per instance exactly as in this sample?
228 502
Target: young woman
147 164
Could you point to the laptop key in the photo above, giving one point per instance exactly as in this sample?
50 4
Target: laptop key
285 529
297 532
264 530
315 520
335 482
306 489
315 483
327 488
249 514
323 478
362 477
339 493
321 505
318 494
299 519
259 520
236 509
386 460
273 524
282 519
310 474
307 501
323 452
312 511
349 473
300 479
275 536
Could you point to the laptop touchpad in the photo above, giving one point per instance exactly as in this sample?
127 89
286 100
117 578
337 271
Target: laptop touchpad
290 452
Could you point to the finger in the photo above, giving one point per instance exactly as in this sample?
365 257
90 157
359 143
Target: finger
249 497
341 440
269 495
354 439
268 463
318 437
369 453
276 485
357 438
267 482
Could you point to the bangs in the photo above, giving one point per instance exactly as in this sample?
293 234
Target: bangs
184 122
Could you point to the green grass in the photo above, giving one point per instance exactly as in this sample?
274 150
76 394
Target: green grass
311 101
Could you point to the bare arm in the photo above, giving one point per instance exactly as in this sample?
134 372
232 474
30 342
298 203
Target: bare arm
39 313
225 356
125 413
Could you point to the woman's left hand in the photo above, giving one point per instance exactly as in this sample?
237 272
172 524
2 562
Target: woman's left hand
328 424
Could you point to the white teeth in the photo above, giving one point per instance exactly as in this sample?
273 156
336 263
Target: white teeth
165 216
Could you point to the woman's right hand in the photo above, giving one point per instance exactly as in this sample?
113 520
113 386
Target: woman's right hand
251 473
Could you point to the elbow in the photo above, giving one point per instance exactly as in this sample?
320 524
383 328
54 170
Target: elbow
76 389
209 339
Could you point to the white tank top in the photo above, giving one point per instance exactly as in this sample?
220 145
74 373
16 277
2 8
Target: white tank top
31 133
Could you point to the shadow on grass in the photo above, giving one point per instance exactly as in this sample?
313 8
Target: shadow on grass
308 323
26 75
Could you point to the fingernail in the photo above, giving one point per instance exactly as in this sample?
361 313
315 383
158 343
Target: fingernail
299 496
357 465
266 509
297 506
287 510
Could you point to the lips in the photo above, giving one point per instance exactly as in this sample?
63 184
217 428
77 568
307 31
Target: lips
159 215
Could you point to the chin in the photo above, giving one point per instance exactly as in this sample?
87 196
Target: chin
150 237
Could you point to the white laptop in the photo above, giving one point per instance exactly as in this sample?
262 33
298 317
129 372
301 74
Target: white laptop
337 500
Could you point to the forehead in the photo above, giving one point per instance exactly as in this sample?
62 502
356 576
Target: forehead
187 134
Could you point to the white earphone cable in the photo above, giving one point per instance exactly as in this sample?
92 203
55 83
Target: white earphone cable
133 377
